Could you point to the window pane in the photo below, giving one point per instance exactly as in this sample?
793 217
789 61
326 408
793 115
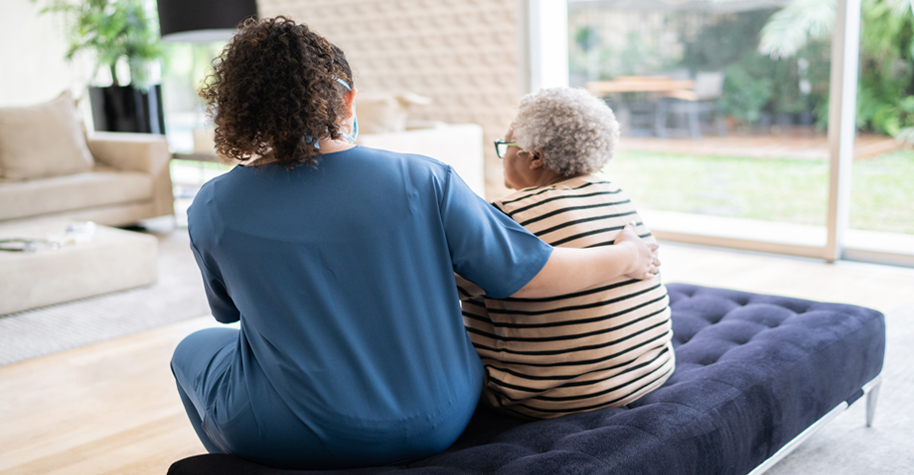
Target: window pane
882 190
185 68
721 117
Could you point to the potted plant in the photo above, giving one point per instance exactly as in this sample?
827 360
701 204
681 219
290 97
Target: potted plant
114 30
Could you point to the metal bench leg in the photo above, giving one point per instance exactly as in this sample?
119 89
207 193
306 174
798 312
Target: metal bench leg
872 392
870 389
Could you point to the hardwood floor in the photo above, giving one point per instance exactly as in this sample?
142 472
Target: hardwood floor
111 407
107 408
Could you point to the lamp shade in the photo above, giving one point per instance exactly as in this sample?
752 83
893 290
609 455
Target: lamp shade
199 21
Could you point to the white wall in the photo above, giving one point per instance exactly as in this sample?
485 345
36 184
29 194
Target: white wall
32 65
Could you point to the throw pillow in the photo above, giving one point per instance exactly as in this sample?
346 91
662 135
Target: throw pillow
42 140
383 112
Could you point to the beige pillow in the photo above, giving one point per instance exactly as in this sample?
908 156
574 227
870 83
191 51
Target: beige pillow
382 112
42 140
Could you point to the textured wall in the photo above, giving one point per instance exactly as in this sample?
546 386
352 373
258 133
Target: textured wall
461 53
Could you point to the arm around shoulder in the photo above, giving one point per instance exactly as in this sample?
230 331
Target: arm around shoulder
572 270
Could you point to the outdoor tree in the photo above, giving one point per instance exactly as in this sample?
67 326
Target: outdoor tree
885 98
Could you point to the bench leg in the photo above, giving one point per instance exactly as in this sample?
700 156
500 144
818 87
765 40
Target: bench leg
872 393
870 389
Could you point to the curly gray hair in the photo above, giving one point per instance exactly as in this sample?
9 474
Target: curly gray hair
576 132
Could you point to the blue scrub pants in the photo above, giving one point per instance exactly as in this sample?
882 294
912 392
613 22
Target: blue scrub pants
259 426
226 417
196 362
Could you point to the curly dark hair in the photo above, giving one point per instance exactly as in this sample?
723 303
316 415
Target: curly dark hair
273 92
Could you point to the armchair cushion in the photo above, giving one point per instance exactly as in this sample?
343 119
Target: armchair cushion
42 140
104 187
144 153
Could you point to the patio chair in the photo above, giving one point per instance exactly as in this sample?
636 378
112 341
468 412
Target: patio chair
634 113
684 107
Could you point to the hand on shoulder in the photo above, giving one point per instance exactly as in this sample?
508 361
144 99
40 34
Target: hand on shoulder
645 264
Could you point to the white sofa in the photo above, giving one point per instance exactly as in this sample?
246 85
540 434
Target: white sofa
128 182
114 179
458 145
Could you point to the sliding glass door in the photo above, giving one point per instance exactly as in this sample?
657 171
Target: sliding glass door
740 120
881 203
724 123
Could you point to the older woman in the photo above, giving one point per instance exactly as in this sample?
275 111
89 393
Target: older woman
338 261
576 351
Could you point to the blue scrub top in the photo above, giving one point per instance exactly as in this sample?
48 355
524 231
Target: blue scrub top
342 275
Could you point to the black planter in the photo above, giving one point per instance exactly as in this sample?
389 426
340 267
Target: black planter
125 109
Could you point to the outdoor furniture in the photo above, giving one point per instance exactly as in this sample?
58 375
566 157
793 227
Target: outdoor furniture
755 375
111 260
681 101
626 95
687 106
639 84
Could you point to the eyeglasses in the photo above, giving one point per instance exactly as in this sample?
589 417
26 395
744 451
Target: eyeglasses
501 147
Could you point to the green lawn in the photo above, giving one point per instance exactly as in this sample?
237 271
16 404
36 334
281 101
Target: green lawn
785 190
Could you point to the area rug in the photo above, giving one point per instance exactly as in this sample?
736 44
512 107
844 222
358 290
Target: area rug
177 295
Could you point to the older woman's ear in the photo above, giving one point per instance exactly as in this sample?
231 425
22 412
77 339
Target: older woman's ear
536 161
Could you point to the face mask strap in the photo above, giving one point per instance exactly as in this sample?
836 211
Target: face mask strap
355 120
355 124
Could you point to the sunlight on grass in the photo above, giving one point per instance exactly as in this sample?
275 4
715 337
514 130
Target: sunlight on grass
882 193
784 190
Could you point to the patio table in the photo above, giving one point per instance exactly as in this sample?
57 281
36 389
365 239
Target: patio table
649 117
659 84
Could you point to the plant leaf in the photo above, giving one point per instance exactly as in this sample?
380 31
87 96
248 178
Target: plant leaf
791 28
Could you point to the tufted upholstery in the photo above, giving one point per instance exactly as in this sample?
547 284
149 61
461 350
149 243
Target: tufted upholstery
753 371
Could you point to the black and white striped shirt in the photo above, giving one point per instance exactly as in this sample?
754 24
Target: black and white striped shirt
603 347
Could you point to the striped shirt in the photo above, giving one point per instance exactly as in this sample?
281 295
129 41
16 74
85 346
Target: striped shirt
603 347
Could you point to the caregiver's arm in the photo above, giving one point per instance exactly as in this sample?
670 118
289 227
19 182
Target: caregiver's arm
572 270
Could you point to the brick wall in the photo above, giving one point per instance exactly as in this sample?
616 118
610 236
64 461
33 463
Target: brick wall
461 53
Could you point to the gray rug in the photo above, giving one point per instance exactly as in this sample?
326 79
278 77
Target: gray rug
177 295
846 446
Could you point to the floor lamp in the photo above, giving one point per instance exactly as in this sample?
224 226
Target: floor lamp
202 21
199 22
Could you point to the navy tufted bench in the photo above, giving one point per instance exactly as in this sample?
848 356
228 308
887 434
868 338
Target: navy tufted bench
755 375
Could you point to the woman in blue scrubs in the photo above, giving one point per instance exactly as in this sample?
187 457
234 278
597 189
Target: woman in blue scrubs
338 261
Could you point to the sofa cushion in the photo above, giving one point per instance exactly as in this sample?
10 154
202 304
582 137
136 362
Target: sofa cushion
19 199
42 140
